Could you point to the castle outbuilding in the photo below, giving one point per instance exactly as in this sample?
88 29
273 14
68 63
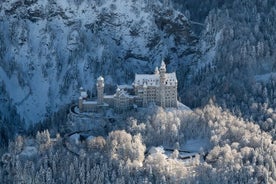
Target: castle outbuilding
159 88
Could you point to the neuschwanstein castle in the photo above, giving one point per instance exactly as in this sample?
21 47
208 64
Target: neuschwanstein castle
159 88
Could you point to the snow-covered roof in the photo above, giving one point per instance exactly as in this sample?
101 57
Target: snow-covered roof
170 79
154 150
156 70
90 102
149 79
125 86
154 79
84 94
100 78
163 65
122 93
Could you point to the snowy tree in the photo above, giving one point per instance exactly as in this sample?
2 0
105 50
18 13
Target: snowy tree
125 148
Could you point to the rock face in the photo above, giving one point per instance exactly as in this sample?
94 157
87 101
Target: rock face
51 48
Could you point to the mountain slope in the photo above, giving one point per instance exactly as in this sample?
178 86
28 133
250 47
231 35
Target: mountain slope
49 49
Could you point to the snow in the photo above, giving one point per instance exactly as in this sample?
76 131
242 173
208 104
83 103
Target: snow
90 138
123 93
84 94
210 52
29 151
154 150
75 138
90 102
195 145
183 107
154 79
100 78
184 155
265 77
17 94
125 86
167 153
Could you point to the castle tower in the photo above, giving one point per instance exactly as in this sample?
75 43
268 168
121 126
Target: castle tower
81 89
83 93
156 71
162 72
83 96
162 69
100 90
80 104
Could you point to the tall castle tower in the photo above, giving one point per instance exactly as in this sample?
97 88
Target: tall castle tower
162 72
100 89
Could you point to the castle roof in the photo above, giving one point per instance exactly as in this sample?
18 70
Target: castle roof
154 79
125 86
170 79
100 78
84 94
149 79
121 93
89 102
163 65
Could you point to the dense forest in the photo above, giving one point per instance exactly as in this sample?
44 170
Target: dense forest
238 151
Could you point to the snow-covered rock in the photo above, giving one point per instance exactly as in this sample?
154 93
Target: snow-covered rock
75 138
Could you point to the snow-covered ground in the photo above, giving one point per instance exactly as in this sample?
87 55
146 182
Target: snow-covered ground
181 106
29 151
196 145
265 77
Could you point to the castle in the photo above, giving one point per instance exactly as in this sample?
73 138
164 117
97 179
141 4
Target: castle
159 88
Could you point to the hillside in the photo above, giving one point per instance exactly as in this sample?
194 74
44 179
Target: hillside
50 49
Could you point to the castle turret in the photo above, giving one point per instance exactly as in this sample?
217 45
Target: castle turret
83 93
80 104
100 89
156 71
162 69
81 89
162 72
83 96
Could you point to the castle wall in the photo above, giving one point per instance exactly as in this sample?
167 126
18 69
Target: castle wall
109 100
88 106
123 103
153 95
170 96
